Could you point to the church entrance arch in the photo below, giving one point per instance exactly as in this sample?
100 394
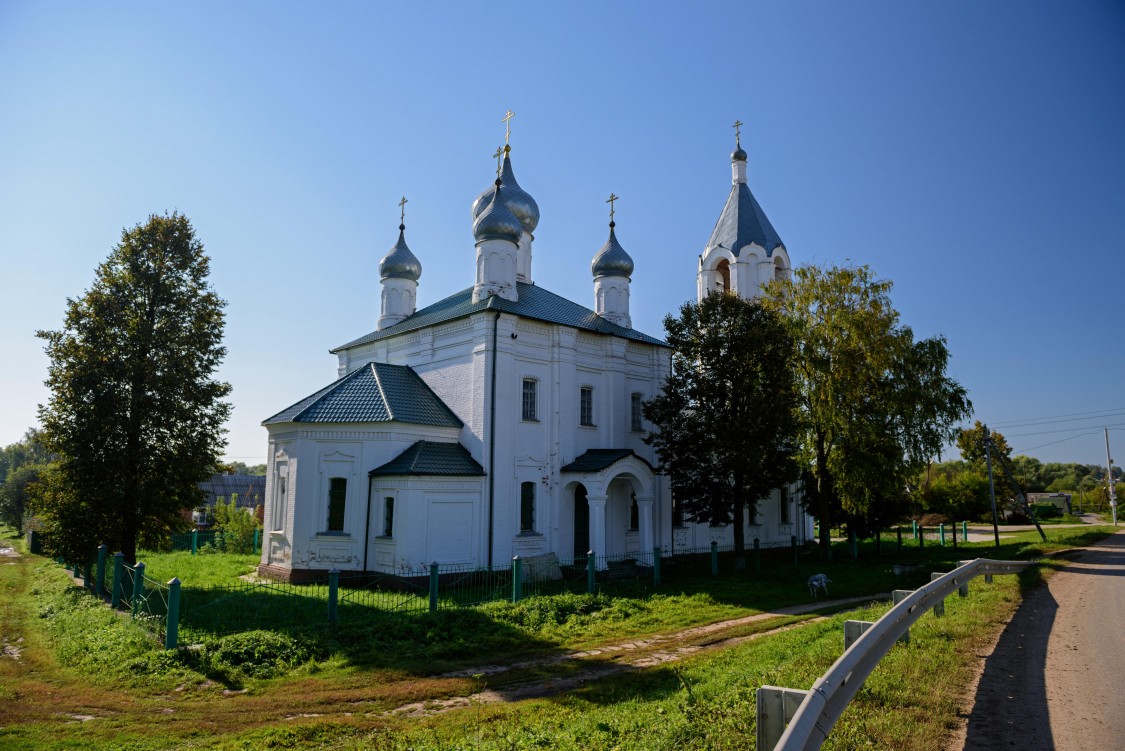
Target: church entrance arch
581 522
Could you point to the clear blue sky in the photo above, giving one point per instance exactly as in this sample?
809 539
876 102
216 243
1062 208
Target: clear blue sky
973 153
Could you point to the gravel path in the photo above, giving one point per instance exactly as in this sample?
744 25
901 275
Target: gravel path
1056 677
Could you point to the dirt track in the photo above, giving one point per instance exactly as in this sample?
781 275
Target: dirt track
1056 678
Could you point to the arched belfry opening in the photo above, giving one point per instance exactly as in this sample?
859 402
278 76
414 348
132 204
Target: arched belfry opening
722 276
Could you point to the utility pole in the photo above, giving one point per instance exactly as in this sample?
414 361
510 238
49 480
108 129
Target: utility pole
1110 481
991 487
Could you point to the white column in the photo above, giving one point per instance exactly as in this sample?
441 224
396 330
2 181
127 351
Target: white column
597 526
644 521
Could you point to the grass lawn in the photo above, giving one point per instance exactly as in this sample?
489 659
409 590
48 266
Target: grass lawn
308 684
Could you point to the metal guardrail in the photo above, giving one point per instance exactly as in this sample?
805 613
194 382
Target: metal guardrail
823 704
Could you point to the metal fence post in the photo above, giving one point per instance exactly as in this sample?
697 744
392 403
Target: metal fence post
433 586
656 566
333 594
714 558
517 579
138 587
194 541
118 575
941 534
757 555
257 540
965 531
914 524
99 581
939 606
171 632
88 573
796 554
921 537
591 572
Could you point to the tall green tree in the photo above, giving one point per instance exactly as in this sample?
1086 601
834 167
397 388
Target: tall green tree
16 493
875 404
725 417
135 414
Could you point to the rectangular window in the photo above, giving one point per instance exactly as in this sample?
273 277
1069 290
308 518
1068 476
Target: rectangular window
388 516
279 502
530 394
527 507
784 509
586 406
636 412
337 494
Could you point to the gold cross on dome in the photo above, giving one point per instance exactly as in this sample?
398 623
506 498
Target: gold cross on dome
737 132
498 156
610 200
402 213
507 125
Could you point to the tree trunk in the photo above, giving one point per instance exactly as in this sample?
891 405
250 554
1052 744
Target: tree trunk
823 497
739 524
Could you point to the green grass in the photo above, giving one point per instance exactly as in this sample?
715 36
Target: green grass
203 570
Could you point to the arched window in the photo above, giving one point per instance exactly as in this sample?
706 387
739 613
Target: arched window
722 276
527 507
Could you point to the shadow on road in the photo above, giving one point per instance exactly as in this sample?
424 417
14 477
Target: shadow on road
1010 710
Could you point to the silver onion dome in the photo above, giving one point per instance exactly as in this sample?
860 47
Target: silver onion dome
400 263
518 200
496 221
738 155
612 260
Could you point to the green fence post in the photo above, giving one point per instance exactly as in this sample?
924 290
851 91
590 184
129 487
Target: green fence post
941 534
194 541
591 572
714 558
914 524
517 579
921 537
965 531
118 575
257 540
99 583
433 586
757 555
138 587
87 574
333 594
656 566
899 531
171 632
953 531
77 571
853 544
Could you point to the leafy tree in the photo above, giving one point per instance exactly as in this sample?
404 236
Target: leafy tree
16 494
725 416
241 468
29 450
875 404
135 413
236 527
970 442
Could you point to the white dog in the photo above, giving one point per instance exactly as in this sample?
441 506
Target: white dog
818 581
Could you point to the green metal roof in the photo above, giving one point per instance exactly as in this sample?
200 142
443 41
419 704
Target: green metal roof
534 302
595 460
430 458
375 392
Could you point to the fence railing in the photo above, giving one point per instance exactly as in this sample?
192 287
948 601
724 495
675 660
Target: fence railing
810 721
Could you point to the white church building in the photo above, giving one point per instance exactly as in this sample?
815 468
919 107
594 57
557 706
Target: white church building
502 420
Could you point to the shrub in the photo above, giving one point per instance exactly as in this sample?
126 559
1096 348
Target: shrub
256 654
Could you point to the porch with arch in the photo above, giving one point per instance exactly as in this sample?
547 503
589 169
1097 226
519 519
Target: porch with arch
601 488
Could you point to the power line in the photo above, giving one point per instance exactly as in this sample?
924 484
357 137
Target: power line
1052 443
1031 424
1029 421
1065 430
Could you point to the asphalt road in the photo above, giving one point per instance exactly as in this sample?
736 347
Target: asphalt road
1056 679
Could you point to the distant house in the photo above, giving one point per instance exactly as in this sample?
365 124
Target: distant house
1060 500
249 490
